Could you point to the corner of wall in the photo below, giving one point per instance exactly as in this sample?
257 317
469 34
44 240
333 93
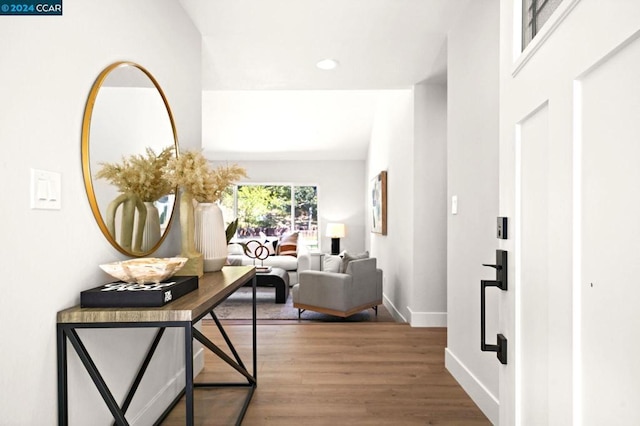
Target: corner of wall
487 402
427 319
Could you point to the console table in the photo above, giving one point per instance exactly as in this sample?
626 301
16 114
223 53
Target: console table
185 312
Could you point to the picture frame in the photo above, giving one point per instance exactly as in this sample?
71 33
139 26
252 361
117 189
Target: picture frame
379 204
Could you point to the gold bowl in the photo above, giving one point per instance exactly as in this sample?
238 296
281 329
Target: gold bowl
144 270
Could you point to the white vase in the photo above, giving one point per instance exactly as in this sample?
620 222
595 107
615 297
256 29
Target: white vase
210 236
151 234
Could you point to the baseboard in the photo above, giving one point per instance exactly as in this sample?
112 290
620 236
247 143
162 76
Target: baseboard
484 399
165 396
392 309
427 319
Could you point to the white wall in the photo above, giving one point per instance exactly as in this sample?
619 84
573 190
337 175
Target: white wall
408 140
428 305
48 67
391 149
340 192
472 157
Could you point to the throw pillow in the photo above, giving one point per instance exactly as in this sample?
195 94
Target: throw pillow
347 257
234 248
270 246
331 263
288 245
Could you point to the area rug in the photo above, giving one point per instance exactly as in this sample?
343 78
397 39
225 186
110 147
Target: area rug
238 307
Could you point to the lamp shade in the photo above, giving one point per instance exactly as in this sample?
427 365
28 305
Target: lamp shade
335 230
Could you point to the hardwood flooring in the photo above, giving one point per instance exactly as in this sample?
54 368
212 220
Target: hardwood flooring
335 374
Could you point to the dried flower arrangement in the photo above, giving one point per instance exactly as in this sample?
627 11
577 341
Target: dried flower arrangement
191 171
142 175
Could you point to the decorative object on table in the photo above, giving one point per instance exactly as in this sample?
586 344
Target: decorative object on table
255 250
144 270
379 204
335 231
152 230
192 174
131 204
263 269
210 237
141 180
127 295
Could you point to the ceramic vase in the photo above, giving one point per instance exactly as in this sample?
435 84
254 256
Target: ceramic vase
210 236
151 234
194 265
130 204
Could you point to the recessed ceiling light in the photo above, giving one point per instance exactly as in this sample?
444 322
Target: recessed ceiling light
327 64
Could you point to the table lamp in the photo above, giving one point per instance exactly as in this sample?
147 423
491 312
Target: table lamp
335 231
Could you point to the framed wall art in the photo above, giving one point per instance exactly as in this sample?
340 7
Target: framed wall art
379 204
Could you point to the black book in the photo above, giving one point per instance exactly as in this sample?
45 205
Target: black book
119 294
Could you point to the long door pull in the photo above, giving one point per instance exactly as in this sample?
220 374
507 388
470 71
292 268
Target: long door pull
501 283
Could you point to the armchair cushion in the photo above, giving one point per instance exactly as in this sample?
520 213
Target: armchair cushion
348 257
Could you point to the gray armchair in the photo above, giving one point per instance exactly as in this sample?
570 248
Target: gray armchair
340 294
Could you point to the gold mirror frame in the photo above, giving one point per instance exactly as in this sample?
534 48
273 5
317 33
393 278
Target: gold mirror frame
86 164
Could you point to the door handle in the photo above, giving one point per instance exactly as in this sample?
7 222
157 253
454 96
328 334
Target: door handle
501 282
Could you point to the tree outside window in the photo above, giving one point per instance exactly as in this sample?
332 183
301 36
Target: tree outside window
273 210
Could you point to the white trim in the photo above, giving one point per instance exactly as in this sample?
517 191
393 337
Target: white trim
395 313
518 272
545 32
518 259
165 396
484 399
427 319
577 252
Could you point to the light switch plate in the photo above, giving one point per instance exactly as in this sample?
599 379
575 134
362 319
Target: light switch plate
454 204
45 190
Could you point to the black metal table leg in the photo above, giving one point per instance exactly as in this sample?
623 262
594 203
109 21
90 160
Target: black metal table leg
95 375
254 283
143 369
188 372
63 405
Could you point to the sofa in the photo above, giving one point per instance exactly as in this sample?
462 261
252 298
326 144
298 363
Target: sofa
292 264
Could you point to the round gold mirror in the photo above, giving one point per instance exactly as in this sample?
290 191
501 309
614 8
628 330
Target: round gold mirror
127 132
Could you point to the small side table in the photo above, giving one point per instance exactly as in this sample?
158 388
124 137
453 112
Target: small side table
278 278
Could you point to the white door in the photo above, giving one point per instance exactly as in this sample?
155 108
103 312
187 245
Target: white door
570 185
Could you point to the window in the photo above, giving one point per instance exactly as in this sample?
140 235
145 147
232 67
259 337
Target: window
534 15
273 210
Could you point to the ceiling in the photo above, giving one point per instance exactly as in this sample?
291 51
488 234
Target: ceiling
273 45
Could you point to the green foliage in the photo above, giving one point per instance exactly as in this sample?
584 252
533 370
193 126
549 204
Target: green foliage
231 230
263 205
270 206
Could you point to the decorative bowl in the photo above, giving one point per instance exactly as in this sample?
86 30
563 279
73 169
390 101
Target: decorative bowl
144 270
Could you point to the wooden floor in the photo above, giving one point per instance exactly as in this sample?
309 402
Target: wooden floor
336 374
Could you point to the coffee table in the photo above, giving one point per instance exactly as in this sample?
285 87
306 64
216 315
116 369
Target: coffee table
278 278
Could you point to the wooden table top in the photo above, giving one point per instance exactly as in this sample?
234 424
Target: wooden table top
213 288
